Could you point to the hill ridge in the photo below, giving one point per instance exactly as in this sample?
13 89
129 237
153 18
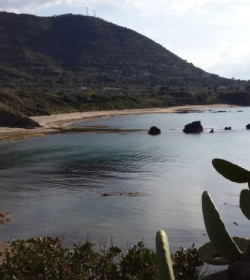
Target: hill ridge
74 62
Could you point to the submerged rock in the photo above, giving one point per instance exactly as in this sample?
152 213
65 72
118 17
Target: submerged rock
154 131
194 127
109 194
228 128
117 194
4 217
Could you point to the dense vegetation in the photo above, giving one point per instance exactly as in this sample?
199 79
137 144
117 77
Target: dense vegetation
46 259
73 62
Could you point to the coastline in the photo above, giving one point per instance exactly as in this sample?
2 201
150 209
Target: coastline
57 122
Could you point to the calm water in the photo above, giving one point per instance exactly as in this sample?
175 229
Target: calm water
53 185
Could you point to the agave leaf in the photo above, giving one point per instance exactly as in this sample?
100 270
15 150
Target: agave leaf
217 231
245 203
210 255
231 171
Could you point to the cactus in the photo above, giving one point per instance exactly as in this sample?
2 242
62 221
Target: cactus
245 203
217 232
231 171
163 256
210 255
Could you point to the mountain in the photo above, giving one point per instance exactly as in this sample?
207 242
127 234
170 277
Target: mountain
74 62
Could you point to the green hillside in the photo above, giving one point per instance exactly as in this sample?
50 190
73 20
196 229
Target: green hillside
73 62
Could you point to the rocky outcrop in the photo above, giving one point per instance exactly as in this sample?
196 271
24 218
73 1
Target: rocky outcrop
194 127
9 119
154 131
228 128
248 126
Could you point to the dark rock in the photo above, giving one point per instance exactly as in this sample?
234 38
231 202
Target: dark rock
211 131
154 131
194 127
220 111
183 112
116 194
241 270
248 126
109 194
228 128
133 194
9 119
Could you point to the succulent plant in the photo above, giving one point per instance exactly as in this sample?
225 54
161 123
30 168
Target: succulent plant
217 231
163 256
231 171
245 203
210 255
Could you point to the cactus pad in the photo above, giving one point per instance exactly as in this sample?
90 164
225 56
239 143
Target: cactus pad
210 255
163 256
217 232
231 171
245 203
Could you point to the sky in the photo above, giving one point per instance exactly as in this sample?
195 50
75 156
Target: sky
212 34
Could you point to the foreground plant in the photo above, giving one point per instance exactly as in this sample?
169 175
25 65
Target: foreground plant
223 249
184 264
163 256
187 264
217 231
46 259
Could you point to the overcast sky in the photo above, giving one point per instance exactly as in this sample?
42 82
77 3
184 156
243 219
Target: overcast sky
212 34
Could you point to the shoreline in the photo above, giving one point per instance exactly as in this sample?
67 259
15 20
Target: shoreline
57 122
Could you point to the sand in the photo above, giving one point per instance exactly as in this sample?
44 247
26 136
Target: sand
54 122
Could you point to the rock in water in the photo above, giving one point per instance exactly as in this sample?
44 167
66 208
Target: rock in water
154 131
248 126
194 127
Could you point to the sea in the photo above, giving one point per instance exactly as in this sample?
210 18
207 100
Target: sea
54 185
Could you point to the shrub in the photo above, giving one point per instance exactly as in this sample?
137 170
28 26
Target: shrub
46 259
186 264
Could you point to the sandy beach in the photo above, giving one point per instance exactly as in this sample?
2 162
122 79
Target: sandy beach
54 122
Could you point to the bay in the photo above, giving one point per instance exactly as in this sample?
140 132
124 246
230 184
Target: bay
53 185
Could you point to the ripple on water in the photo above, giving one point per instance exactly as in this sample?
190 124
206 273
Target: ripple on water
53 185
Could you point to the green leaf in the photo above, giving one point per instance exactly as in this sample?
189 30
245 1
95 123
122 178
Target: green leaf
210 255
245 203
217 231
231 171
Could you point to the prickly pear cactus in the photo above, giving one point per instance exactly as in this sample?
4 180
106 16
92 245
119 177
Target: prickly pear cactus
217 232
210 255
163 256
231 171
245 203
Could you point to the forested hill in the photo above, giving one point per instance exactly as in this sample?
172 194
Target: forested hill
75 62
